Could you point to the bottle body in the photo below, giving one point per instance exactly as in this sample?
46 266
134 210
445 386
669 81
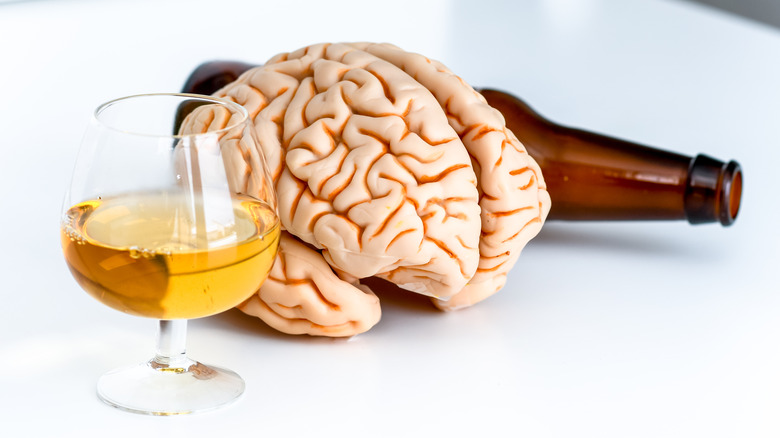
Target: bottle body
589 176
595 177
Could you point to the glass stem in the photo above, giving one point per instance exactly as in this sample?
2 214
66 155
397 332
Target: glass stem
171 352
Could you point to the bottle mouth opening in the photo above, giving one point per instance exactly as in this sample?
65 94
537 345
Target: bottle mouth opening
731 193
714 191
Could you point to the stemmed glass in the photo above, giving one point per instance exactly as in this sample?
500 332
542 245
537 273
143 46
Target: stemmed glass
171 215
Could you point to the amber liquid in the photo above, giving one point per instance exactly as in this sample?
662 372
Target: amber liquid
144 255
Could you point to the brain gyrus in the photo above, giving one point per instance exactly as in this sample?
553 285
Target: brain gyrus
386 165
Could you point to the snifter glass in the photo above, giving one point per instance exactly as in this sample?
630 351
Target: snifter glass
170 215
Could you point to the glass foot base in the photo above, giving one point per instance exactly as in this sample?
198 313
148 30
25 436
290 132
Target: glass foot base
157 389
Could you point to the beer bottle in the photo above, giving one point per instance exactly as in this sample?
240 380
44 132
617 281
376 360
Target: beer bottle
589 176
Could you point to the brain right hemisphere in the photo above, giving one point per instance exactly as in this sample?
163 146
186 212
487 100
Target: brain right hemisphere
389 165
513 197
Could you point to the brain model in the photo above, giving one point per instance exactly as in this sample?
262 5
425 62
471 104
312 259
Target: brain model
385 165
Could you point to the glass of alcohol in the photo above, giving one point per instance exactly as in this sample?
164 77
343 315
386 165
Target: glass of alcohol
171 215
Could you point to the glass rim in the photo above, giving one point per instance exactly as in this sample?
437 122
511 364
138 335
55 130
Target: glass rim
239 109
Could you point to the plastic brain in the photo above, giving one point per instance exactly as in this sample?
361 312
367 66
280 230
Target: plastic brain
386 165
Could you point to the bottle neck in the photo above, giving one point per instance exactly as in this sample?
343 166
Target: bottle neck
594 177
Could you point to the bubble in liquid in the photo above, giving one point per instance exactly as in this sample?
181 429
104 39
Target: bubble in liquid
136 252
73 235
164 250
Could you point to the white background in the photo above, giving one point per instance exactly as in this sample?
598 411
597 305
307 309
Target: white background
604 330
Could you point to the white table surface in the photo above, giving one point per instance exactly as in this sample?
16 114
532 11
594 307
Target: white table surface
604 329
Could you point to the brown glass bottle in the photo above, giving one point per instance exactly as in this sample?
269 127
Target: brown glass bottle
595 177
589 176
